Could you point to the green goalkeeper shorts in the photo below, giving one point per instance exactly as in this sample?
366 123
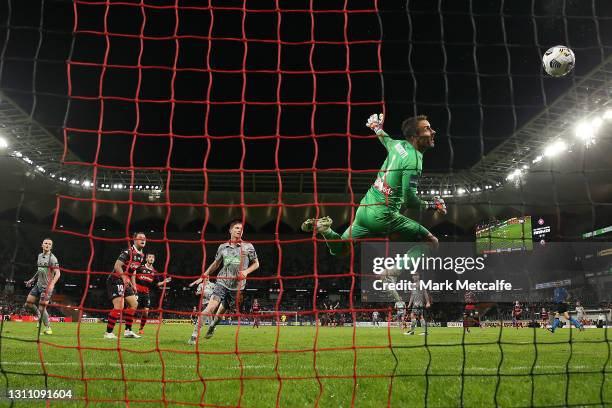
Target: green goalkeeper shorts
378 220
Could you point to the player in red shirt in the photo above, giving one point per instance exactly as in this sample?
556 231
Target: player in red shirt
545 318
517 311
255 309
469 310
120 287
145 279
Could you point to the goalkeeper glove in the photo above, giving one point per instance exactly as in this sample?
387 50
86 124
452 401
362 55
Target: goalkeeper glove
375 122
437 204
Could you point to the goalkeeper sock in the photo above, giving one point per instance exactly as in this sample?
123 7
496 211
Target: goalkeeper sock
129 318
424 325
413 324
113 315
143 321
576 322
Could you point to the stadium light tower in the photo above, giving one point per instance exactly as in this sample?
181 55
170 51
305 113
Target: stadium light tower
555 148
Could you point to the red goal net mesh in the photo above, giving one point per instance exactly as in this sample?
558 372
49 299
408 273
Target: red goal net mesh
210 111
189 89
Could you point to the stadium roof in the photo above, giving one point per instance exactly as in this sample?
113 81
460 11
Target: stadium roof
28 138
589 96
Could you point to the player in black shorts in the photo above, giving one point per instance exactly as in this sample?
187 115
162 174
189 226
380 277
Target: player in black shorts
120 289
145 279
237 260
43 282
469 311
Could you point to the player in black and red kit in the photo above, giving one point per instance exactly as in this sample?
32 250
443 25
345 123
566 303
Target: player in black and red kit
255 309
517 311
545 318
145 279
120 289
469 311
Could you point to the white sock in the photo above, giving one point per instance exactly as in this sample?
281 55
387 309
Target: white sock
197 326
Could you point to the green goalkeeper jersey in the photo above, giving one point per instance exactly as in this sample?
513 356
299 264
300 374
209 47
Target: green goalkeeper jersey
397 181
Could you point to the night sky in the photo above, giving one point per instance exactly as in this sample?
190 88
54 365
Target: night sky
472 66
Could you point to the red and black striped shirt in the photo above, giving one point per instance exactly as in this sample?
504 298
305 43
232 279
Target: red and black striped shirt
132 260
146 279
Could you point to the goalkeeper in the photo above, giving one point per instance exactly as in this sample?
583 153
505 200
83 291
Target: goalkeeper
396 184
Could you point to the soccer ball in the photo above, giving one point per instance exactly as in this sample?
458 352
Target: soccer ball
558 61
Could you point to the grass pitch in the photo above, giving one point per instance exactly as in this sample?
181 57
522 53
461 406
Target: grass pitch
365 367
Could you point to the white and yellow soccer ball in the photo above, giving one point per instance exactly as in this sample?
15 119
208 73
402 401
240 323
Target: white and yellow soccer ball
558 61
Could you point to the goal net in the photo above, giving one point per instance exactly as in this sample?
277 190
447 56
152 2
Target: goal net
175 119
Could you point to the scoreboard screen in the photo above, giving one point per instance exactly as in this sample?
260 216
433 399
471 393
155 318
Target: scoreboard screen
541 230
514 234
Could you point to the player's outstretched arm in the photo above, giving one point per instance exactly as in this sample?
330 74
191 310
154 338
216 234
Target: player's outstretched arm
375 122
31 281
196 282
213 267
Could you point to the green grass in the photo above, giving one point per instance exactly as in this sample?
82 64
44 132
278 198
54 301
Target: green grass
395 373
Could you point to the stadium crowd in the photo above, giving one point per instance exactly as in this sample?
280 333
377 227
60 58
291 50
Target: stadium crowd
19 248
